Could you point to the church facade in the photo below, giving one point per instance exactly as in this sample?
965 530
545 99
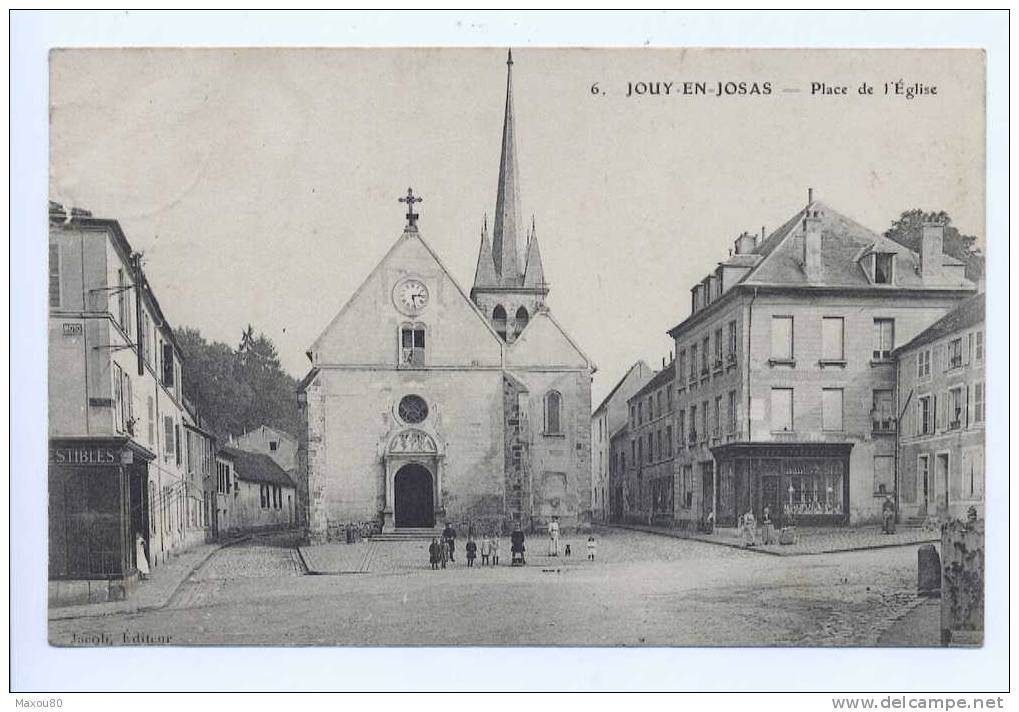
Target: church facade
427 404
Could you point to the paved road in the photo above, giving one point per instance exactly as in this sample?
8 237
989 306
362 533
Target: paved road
643 590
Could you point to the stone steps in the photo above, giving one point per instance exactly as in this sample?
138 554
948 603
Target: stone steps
408 534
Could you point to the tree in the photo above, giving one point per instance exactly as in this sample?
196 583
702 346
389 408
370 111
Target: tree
906 231
237 390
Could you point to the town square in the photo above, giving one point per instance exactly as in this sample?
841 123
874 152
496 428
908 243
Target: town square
794 457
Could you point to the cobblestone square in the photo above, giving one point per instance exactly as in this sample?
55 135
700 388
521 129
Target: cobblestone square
643 589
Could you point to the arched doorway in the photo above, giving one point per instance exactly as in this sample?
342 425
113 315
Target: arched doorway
413 497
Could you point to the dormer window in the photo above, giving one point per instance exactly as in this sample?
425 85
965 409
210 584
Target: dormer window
884 268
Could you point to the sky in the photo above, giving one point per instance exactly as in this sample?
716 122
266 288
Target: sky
262 184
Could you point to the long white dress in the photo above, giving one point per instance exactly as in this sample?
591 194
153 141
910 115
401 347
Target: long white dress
139 553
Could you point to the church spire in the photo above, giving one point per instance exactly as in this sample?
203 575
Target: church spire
534 274
484 275
507 199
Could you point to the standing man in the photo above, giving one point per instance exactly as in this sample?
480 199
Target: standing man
449 534
553 537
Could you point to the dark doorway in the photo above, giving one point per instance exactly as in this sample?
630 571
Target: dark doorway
413 497
139 477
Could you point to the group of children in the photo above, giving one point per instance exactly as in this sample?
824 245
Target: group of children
441 551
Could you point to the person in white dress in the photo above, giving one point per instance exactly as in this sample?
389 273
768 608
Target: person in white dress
553 537
139 553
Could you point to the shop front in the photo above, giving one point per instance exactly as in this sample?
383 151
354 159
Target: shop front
800 483
97 507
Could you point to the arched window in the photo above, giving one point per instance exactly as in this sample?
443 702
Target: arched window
553 413
499 321
521 321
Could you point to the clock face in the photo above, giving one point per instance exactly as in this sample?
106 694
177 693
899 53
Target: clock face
411 296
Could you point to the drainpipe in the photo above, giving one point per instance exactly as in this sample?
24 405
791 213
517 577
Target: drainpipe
746 367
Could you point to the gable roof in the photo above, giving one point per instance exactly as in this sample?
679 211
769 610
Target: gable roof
256 467
263 428
969 312
408 234
544 342
606 399
660 379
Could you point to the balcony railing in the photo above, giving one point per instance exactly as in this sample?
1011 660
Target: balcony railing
883 424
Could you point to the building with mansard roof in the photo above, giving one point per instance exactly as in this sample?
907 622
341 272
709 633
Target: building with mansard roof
427 404
785 378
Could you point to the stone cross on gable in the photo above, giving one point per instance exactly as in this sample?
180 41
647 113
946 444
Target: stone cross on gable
412 217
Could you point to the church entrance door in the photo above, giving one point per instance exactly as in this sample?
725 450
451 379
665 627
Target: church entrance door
414 497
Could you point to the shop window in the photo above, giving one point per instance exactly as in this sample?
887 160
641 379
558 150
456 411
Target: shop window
813 495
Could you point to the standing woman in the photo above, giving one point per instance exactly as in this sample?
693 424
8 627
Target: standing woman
142 561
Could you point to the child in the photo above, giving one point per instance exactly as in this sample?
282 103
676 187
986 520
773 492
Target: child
472 551
566 551
486 550
495 550
433 554
591 546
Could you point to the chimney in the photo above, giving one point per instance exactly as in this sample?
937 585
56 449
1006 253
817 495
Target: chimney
763 233
745 243
812 244
695 298
932 245
810 196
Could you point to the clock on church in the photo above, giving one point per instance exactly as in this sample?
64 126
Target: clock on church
410 296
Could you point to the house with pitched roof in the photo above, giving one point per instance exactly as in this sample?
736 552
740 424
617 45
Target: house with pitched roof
942 395
648 483
607 418
260 494
785 359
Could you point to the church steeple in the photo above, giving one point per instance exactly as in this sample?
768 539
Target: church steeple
507 199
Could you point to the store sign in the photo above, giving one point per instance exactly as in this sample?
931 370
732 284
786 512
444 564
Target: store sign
72 329
87 456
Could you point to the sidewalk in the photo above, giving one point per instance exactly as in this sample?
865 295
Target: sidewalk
154 592
809 540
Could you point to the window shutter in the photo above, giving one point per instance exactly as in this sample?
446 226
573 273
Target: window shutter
167 364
